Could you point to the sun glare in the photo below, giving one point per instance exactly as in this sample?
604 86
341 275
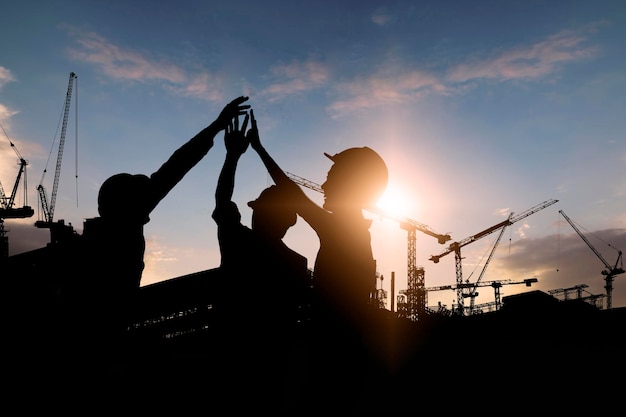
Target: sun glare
396 202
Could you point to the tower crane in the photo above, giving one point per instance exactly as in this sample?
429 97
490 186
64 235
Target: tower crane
415 276
471 292
595 300
566 291
47 206
456 246
7 209
610 271
496 285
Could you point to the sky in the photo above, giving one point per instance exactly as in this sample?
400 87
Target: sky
480 109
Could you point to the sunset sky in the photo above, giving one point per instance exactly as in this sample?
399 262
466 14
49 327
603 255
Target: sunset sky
479 108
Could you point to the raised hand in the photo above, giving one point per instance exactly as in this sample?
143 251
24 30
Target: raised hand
232 110
235 138
253 133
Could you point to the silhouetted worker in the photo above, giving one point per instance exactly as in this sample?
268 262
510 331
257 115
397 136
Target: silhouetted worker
264 286
113 245
344 274
259 248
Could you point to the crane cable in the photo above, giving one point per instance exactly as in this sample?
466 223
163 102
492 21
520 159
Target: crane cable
597 237
11 143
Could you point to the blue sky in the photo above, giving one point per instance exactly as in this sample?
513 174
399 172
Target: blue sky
480 109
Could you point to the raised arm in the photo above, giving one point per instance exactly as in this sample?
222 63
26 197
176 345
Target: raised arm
236 144
277 174
189 154
305 207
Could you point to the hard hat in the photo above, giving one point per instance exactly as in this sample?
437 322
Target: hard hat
123 195
278 200
363 165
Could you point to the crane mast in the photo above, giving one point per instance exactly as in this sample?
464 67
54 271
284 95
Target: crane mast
456 246
48 206
471 292
610 271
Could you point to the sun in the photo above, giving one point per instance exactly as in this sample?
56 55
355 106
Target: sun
395 201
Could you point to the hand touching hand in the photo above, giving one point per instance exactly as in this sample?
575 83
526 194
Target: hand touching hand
235 138
253 133
232 110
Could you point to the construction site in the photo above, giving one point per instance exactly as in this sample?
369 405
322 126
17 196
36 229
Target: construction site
521 354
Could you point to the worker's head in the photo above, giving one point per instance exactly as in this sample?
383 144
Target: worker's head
273 212
122 197
357 178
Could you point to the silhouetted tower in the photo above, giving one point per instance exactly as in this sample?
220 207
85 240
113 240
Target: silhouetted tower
456 248
415 294
610 271
48 206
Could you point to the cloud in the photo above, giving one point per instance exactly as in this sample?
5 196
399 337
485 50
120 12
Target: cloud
200 85
504 212
527 62
5 76
381 17
295 77
524 62
126 64
8 156
382 89
565 261
6 113
521 230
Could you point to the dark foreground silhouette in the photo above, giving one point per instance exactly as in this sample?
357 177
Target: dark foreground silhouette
264 334
537 355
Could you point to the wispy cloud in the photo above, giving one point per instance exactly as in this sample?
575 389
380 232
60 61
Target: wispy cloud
504 212
294 78
5 76
541 59
382 89
527 62
381 17
562 261
5 113
521 230
7 152
125 64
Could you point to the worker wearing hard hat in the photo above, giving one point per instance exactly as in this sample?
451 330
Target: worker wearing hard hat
111 255
344 274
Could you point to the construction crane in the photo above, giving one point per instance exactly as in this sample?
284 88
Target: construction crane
566 291
7 209
456 246
610 271
471 291
47 206
415 275
496 285
593 299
